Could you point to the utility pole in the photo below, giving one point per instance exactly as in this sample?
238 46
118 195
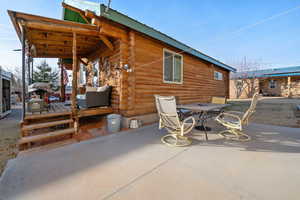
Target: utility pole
108 5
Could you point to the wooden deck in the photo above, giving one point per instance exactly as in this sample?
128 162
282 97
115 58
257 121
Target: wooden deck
55 125
63 109
56 110
94 111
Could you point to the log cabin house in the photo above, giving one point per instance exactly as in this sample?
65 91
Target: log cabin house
135 59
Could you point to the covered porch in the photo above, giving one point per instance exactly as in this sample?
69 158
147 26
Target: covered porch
76 45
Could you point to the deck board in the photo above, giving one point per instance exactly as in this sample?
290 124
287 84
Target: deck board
60 109
94 111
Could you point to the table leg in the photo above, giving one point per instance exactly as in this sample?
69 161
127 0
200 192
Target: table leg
202 126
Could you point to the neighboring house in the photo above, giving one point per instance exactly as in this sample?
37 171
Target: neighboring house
284 82
137 60
5 92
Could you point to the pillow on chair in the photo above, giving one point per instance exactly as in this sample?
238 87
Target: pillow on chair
103 88
91 89
218 100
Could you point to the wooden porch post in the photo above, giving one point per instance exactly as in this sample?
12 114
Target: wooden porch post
23 74
32 70
74 83
62 85
89 74
289 86
28 67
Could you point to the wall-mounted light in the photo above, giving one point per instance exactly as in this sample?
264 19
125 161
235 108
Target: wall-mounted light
127 68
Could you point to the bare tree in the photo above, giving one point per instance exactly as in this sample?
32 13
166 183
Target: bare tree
245 81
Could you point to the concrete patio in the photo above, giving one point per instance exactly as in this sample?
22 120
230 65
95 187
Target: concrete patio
135 165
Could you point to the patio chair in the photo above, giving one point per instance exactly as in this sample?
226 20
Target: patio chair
216 112
234 121
169 119
218 100
38 106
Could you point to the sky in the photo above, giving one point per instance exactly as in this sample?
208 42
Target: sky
263 31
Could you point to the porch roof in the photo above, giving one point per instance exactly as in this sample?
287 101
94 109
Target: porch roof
52 38
5 74
115 16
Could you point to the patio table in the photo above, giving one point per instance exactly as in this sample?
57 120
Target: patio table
202 109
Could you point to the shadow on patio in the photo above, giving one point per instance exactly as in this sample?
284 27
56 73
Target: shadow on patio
265 138
40 169
106 164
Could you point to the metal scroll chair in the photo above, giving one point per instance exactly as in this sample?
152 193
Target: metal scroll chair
234 122
168 119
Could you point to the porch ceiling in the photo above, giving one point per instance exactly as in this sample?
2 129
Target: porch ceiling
53 38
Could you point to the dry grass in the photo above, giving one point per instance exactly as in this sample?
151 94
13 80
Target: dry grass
9 134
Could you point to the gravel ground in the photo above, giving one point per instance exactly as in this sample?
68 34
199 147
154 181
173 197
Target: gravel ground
9 133
271 111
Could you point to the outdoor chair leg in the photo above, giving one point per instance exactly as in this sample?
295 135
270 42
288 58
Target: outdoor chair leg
235 134
175 140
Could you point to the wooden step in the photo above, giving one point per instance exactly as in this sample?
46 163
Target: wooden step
35 138
47 115
45 125
48 147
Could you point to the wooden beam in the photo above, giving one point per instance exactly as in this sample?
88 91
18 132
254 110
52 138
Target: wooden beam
45 125
23 74
41 35
35 138
62 85
289 86
95 111
90 14
106 42
28 68
46 26
29 17
46 115
61 43
52 56
74 83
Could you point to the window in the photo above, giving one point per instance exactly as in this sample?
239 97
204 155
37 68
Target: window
218 76
272 84
173 65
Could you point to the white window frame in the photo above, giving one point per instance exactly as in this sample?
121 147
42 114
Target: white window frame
273 82
173 53
219 76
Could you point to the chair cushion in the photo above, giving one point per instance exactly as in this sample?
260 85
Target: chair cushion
218 100
81 96
91 89
103 88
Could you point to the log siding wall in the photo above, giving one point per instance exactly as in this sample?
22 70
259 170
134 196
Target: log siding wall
198 77
133 92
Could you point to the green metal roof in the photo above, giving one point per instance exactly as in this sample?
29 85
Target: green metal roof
100 10
71 15
265 73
